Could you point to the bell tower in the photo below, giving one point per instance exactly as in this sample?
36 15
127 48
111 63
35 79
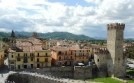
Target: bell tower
12 40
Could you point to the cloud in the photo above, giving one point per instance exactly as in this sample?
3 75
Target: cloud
44 16
94 1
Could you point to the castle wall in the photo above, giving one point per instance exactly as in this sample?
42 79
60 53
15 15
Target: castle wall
77 72
101 63
82 72
23 78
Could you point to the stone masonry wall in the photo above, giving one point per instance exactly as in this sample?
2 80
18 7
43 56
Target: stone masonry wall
23 78
65 72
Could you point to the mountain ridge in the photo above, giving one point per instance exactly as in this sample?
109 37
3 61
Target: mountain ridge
49 35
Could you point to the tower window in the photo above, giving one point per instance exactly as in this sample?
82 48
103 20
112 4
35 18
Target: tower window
98 60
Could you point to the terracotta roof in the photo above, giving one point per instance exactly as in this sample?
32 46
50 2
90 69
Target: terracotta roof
31 44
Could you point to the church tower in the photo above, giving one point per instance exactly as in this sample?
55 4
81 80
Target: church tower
12 40
115 38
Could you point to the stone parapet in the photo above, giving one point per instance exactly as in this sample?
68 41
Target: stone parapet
116 26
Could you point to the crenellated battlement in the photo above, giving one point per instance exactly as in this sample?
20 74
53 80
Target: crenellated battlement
101 51
116 26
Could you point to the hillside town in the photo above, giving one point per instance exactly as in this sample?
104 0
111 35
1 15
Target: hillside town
68 58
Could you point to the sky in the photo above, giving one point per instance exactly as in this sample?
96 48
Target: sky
88 17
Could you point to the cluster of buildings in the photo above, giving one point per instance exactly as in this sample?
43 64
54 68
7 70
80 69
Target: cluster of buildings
28 53
34 52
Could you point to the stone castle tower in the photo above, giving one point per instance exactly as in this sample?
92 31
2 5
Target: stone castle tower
116 61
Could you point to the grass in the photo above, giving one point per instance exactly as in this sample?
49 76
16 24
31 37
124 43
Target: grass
106 80
109 80
130 81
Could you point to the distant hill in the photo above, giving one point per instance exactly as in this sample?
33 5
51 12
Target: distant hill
52 35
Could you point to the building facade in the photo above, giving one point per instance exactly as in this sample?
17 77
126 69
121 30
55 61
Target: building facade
66 56
26 60
1 57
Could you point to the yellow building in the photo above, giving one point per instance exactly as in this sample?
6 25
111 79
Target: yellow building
1 58
26 60
42 58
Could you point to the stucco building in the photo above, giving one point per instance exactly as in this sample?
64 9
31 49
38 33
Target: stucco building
1 57
69 56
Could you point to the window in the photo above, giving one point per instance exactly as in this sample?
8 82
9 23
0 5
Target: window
18 66
12 62
37 59
31 58
18 55
25 66
18 59
118 59
71 58
46 54
31 54
46 59
25 60
25 54
38 65
38 54
71 52
66 53
59 52
67 58
59 58
83 54
31 65
12 56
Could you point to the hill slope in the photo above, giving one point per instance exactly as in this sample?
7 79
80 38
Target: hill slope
53 35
